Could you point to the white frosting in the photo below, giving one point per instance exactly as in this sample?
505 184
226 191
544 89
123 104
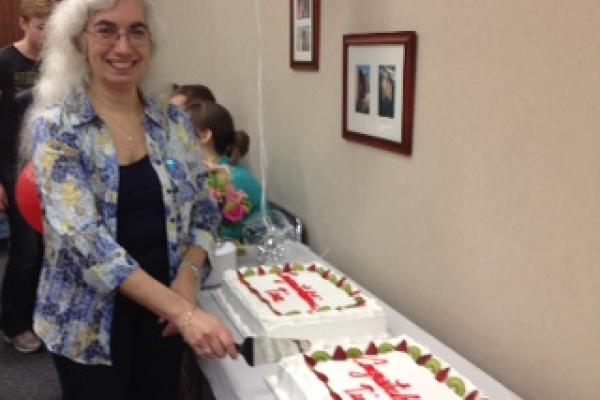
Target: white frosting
295 380
254 318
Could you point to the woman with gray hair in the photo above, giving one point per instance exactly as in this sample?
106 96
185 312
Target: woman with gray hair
128 220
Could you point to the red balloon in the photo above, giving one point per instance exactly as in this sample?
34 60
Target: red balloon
28 198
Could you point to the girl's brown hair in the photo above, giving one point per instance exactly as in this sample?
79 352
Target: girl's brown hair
226 140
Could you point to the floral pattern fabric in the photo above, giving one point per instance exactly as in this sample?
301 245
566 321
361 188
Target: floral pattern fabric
78 175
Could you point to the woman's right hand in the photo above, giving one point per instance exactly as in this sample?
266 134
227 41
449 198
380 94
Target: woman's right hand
206 335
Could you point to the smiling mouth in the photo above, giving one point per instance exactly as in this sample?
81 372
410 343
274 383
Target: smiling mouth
122 66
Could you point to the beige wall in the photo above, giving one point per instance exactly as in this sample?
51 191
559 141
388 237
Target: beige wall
487 236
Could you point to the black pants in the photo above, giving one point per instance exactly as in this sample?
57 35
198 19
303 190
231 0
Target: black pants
22 270
146 366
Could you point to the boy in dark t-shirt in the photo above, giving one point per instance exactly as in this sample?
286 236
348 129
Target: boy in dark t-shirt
17 73
19 64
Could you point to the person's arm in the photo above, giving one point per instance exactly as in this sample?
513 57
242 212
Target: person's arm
187 281
71 210
200 330
3 198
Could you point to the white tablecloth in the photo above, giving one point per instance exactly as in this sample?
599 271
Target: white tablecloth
235 380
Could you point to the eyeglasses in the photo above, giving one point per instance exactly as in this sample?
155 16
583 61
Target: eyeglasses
108 35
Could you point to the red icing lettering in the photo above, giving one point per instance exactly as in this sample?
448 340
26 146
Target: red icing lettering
307 295
363 388
373 361
356 396
277 295
394 390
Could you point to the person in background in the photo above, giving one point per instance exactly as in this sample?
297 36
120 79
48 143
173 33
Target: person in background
19 64
128 220
182 96
223 147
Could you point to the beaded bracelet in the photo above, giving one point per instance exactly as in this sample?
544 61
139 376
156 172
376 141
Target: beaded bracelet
187 318
194 266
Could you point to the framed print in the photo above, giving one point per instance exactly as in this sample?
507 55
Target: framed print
379 88
304 34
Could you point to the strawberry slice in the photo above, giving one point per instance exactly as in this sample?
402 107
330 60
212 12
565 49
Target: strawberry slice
309 361
442 376
474 395
261 271
341 282
423 359
321 376
371 349
326 274
312 268
402 346
339 354
335 396
287 268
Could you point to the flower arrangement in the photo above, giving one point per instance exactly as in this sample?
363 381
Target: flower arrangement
234 204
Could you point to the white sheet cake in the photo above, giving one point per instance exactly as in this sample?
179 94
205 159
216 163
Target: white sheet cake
302 301
396 368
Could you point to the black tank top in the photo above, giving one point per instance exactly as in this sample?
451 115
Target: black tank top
141 218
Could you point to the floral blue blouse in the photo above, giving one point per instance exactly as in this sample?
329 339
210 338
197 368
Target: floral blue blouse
78 176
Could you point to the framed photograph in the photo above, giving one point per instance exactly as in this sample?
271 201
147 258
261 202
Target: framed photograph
379 89
304 34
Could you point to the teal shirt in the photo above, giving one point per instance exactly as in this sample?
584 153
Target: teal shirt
242 179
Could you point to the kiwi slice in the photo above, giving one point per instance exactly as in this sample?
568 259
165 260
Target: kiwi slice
293 312
249 272
353 352
320 270
320 355
324 308
414 352
433 365
275 269
385 347
333 279
298 267
348 288
457 385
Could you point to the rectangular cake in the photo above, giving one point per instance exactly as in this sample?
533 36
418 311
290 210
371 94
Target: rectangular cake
396 368
301 301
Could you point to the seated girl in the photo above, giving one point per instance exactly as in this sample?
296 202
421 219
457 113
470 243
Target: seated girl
234 187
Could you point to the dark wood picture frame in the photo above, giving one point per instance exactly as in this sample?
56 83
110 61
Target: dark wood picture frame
305 29
384 63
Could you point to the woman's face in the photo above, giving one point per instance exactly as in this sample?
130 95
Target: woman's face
117 45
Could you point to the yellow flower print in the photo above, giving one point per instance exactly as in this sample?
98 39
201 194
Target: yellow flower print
70 194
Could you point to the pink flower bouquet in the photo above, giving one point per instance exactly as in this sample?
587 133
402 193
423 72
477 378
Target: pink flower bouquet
234 204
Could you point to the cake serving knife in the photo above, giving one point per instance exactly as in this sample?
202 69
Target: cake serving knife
264 350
